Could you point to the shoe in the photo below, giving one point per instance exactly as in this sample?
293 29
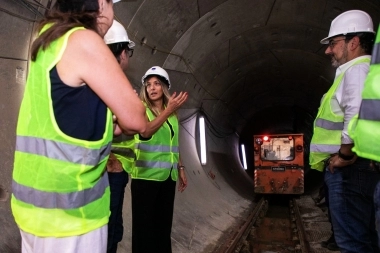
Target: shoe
332 246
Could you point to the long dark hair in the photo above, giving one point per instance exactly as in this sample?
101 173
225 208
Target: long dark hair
63 18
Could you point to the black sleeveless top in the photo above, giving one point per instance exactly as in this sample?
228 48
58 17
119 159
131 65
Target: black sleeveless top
79 112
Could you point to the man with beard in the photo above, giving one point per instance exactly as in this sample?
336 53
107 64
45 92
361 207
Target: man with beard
350 180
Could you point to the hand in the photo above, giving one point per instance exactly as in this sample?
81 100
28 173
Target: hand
113 164
182 184
116 128
175 102
336 161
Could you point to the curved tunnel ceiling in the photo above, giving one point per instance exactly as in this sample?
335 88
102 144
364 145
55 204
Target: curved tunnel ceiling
238 58
251 66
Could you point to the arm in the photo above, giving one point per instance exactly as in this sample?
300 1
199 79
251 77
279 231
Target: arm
352 85
87 59
181 176
174 103
350 101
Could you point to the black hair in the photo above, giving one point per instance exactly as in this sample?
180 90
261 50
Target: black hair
366 40
118 48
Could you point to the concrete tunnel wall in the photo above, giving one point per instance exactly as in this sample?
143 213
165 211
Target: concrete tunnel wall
212 49
219 195
218 198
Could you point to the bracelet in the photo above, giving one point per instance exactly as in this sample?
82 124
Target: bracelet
345 157
181 167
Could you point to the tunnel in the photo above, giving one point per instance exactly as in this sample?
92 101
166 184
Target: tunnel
249 67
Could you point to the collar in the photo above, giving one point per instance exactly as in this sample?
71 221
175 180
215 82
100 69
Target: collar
344 67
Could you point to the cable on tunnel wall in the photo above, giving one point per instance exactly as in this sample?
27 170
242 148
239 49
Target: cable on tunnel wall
17 16
12 58
190 117
216 132
31 7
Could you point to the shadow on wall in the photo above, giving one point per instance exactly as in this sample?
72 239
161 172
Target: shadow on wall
233 175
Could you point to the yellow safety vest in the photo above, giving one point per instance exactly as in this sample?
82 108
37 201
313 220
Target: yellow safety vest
123 149
365 128
157 158
328 127
59 186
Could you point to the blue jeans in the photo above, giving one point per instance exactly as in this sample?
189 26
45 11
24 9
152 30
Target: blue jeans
117 182
351 189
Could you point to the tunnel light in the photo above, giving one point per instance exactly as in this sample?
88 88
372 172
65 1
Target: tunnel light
202 139
244 158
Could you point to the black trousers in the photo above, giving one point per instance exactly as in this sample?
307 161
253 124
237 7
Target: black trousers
117 181
152 215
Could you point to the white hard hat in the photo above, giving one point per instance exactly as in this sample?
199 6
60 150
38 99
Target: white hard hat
158 71
354 21
116 34
115 1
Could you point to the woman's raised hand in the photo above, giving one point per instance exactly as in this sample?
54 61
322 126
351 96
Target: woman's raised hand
176 101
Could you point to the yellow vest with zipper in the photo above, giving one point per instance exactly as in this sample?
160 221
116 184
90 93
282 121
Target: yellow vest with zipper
59 186
157 158
328 127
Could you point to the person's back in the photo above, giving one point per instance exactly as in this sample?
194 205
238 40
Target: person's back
60 195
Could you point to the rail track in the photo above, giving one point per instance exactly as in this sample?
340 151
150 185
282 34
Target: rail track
273 226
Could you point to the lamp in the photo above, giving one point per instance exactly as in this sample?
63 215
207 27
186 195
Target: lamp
244 158
202 139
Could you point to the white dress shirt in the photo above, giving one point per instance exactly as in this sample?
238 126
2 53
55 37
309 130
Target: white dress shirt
348 96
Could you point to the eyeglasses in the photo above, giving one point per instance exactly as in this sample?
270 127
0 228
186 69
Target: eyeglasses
332 43
129 52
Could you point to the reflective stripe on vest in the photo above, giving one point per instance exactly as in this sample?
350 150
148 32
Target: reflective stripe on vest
157 148
370 109
60 200
155 164
126 152
61 151
324 148
328 127
59 186
364 128
157 158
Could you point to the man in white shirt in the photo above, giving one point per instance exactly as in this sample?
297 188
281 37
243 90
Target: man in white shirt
350 180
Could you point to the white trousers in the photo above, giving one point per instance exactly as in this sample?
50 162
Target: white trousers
94 242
